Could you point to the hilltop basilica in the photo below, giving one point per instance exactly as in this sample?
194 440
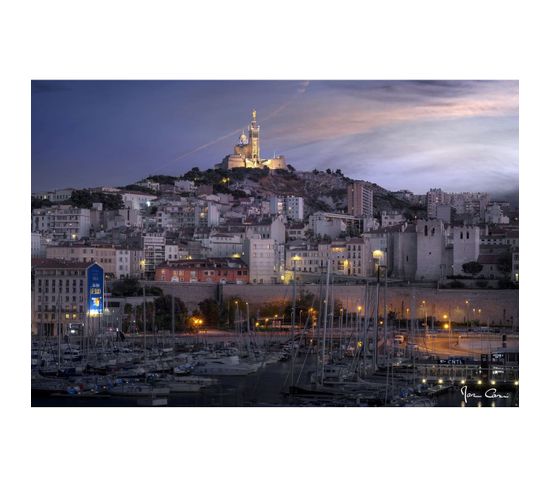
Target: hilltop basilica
246 154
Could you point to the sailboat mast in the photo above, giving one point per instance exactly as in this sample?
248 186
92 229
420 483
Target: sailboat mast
365 329
375 321
325 323
386 314
144 326
293 319
173 323
58 335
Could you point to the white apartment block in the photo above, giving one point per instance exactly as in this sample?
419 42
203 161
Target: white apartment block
260 255
296 231
185 186
153 251
332 224
495 215
188 214
129 263
137 200
220 245
463 203
151 185
329 225
290 206
351 257
435 197
173 252
55 196
63 222
38 245
268 229
388 219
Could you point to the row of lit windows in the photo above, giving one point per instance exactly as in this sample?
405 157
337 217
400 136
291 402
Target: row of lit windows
60 282
55 298
53 308
53 316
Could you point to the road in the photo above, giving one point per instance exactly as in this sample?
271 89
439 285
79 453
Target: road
456 345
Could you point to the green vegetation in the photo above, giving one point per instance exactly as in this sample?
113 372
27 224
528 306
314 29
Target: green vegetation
162 179
86 198
210 312
472 268
456 284
504 264
130 287
140 189
40 203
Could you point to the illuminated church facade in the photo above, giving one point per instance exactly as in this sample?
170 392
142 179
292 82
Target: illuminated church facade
246 154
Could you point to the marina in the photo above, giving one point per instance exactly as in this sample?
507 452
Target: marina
270 369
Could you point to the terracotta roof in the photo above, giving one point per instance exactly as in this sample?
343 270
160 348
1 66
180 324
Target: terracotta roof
205 263
58 263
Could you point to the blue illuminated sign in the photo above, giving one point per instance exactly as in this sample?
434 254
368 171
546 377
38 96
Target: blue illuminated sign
96 285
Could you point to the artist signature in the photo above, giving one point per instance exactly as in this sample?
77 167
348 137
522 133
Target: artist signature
490 393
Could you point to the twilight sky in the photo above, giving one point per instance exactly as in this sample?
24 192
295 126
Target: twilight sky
457 135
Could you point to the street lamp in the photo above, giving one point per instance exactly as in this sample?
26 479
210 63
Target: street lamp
425 316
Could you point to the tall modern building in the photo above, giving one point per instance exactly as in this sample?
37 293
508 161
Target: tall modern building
435 197
360 199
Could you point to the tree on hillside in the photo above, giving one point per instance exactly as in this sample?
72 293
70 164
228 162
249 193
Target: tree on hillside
140 189
128 287
131 287
472 268
86 198
504 263
163 313
162 179
194 174
210 311
304 303
40 202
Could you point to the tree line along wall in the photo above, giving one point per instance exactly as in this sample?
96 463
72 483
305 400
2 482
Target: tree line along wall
486 306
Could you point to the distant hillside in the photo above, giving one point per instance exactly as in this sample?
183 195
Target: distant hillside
321 190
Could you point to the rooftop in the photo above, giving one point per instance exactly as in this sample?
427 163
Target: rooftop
39 263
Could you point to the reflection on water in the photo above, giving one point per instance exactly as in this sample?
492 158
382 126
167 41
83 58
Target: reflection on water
265 388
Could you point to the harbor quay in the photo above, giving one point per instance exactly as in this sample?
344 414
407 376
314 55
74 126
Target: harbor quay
490 307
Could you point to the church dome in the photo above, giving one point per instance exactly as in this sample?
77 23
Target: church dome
243 139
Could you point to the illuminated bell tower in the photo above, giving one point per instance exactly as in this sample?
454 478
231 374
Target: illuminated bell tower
254 137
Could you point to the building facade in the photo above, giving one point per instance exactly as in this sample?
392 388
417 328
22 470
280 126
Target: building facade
210 270
60 295
360 199
261 255
62 222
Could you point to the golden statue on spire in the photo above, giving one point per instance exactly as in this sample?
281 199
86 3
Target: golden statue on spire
254 114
